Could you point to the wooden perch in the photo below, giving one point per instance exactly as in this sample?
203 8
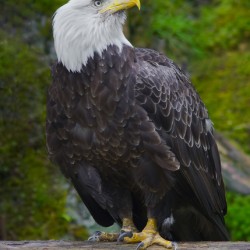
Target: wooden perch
76 245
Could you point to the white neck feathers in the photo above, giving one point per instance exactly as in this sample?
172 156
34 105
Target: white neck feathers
79 33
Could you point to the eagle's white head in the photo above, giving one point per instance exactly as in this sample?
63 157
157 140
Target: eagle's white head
83 27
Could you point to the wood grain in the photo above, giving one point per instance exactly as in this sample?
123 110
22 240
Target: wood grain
75 245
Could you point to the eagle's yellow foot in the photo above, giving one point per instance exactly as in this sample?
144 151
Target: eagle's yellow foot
102 236
149 236
127 230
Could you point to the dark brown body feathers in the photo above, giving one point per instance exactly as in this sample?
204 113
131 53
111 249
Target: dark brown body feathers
131 125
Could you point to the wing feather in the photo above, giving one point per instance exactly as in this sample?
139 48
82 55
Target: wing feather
174 106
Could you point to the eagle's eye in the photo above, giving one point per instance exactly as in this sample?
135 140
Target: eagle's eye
98 3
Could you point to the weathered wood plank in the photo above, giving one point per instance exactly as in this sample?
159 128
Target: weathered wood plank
75 245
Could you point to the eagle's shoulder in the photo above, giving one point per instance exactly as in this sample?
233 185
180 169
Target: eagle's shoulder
153 56
166 90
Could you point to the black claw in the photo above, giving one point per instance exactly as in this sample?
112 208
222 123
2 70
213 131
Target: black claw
124 234
95 236
92 238
174 245
139 246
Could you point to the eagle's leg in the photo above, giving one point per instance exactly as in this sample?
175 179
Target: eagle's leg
127 230
149 236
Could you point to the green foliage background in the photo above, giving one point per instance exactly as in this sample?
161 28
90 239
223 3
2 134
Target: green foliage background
210 39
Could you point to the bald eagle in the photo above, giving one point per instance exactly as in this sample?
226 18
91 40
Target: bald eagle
128 129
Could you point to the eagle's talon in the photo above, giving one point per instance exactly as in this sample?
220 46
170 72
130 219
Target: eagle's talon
174 245
124 234
139 246
95 236
92 239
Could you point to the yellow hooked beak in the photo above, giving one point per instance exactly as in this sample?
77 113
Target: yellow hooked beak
117 5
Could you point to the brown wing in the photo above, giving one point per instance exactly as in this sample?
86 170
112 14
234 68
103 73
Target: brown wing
172 103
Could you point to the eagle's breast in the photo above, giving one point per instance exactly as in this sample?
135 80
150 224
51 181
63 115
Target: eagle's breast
93 113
